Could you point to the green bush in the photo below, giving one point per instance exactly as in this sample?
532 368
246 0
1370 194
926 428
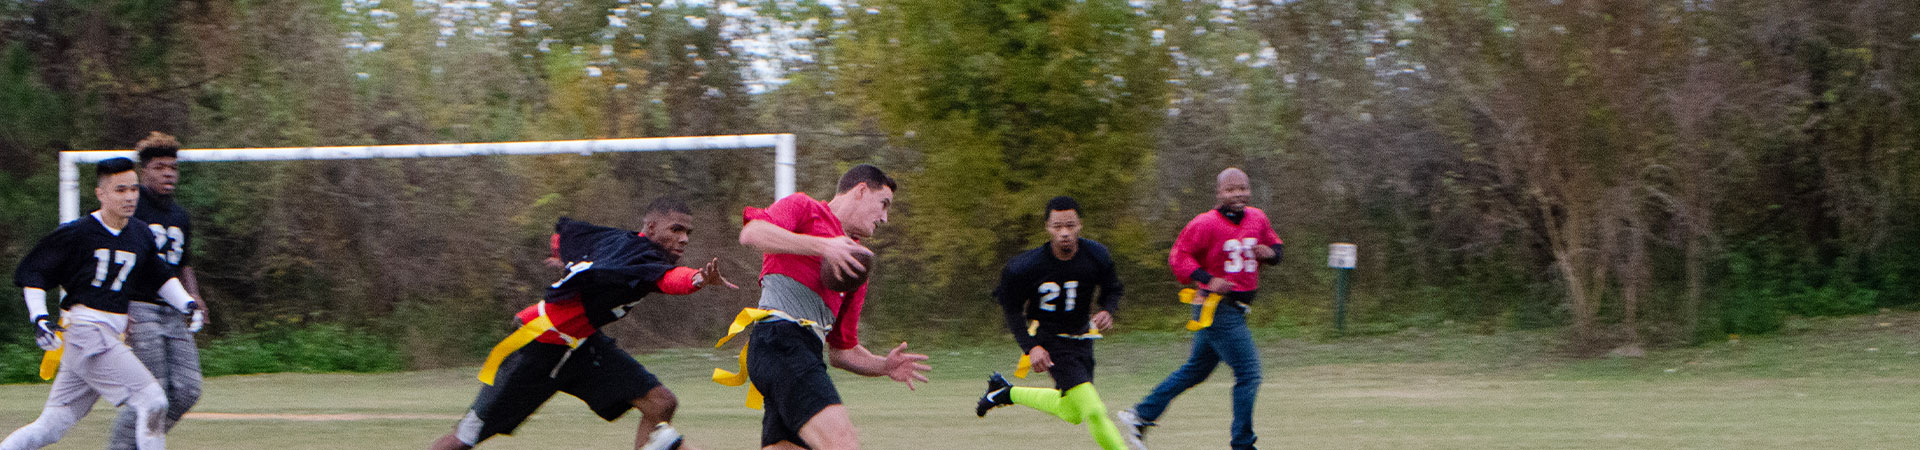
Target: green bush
1755 300
19 363
1835 299
314 348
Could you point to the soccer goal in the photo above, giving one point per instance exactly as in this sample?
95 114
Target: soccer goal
782 144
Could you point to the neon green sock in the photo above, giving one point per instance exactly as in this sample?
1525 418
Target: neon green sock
1095 413
1081 404
1047 401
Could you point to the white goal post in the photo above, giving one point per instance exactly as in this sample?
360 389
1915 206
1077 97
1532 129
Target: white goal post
784 156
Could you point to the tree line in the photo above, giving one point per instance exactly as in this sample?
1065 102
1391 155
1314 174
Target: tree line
1652 172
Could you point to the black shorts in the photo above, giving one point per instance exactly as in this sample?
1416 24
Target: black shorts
1072 361
602 375
784 362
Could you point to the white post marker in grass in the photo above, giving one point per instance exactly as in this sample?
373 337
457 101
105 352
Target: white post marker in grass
1341 257
784 155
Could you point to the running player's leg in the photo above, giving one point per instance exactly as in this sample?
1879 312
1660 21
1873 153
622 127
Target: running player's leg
110 369
802 407
830 429
147 338
1072 368
1200 364
1236 348
183 375
656 417
1093 412
611 383
521 385
69 400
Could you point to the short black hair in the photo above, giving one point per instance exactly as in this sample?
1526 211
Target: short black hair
668 205
157 145
865 174
112 166
1061 203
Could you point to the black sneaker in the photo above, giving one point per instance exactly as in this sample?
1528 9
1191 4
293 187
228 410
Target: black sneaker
999 393
1133 428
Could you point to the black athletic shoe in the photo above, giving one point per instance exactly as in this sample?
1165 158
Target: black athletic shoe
999 393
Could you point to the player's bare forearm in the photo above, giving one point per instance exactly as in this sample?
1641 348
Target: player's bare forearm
898 364
769 238
858 360
192 284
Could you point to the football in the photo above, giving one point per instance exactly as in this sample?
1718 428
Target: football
837 283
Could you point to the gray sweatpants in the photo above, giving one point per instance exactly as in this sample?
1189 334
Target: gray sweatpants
95 365
159 337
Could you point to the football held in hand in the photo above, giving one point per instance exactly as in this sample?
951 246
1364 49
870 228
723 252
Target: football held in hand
838 282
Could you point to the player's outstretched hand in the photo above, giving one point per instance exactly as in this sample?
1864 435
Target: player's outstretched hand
711 274
839 251
906 367
1041 360
43 333
1102 320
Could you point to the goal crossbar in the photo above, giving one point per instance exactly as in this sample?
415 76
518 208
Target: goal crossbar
784 157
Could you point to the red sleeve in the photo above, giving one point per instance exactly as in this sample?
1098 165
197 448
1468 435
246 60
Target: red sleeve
554 244
1186 251
1270 237
789 213
678 281
846 333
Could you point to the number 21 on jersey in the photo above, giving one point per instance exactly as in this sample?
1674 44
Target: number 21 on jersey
1050 291
1240 255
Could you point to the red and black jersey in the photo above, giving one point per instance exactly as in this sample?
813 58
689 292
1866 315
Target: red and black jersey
609 270
1040 287
1214 245
96 267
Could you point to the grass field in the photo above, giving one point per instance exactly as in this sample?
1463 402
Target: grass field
1847 383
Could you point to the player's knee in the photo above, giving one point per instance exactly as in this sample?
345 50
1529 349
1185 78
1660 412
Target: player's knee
658 404
185 395
148 400
1247 377
150 405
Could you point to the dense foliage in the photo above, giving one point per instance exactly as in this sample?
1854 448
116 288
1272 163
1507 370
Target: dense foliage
1642 172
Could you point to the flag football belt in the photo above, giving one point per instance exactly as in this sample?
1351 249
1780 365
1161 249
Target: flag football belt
1033 328
50 362
748 317
1203 309
520 338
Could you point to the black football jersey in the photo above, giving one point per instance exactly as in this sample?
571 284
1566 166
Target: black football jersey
95 267
609 270
167 221
169 224
1057 293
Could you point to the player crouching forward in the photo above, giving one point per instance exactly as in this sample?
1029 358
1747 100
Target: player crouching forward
1039 292
560 348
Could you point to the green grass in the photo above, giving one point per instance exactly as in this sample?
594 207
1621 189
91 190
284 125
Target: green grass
1849 382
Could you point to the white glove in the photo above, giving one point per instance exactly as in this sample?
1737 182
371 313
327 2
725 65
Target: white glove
43 333
199 321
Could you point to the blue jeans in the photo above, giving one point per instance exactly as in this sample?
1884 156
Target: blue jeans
1227 340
